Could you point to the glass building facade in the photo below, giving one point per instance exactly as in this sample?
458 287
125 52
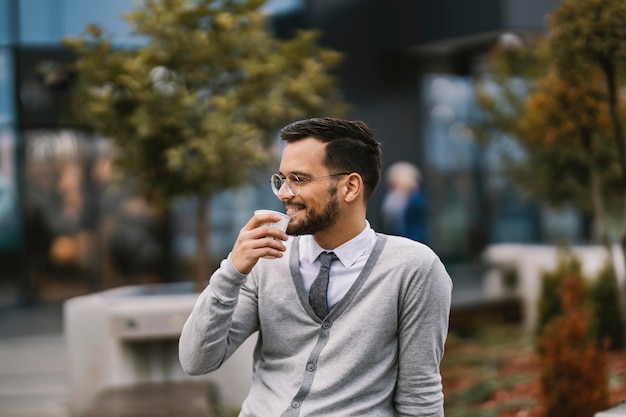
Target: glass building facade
67 229
472 201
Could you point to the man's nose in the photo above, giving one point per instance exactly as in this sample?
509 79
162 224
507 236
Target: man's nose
283 192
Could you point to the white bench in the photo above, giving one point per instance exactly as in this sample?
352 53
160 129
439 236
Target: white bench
617 411
527 262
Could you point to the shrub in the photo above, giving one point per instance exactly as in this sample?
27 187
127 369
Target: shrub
606 322
549 301
609 325
574 374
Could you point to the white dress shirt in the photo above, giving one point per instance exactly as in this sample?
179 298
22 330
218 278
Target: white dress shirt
352 257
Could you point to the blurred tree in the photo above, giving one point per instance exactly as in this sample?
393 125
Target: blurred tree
564 126
588 37
560 97
195 110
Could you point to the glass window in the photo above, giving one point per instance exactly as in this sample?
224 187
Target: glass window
7 102
107 14
82 231
10 238
49 21
282 6
475 203
41 21
7 25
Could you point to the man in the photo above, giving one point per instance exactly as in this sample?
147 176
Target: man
376 351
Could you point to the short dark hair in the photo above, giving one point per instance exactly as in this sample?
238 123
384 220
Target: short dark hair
351 146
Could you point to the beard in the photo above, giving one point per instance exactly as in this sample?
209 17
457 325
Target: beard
315 221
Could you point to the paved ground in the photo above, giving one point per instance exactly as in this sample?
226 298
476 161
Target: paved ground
32 377
32 361
32 365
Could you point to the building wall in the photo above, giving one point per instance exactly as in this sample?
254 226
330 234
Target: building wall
394 53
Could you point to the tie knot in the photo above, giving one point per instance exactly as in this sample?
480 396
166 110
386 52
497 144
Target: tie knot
327 258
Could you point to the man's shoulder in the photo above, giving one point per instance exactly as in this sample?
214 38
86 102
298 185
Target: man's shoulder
401 241
405 248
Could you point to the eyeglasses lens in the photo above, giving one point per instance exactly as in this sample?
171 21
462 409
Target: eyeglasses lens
292 180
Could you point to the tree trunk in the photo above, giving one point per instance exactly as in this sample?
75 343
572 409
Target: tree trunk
601 217
608 67
599 211
203 247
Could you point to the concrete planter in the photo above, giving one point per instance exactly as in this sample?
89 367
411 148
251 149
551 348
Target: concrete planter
526 262
618 411
129 335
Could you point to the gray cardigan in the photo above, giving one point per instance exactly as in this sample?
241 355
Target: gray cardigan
377 353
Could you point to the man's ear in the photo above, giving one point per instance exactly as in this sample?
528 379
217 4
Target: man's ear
352 187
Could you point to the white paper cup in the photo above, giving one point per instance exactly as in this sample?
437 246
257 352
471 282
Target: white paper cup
281 224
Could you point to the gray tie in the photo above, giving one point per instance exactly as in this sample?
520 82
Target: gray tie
317 293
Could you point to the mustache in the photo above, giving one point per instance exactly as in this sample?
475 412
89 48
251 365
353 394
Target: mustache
297 206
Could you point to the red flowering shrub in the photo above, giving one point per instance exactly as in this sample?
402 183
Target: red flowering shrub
573 374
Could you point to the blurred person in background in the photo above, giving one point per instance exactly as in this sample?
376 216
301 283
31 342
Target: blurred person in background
404 209
370 343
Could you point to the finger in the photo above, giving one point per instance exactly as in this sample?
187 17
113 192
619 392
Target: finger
247 251
259 219
260 239
270 231
272 249
266 216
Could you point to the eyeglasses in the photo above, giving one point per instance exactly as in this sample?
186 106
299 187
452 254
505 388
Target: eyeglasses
293 182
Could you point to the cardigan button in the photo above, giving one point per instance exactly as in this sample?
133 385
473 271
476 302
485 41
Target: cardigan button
295 404
326 325
310 367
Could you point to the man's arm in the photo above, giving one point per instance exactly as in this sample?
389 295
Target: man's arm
423 328
222 319
210 335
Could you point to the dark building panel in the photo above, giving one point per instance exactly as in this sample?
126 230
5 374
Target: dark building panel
529 14
43 77
455 18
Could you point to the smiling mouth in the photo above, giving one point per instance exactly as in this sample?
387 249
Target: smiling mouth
293 209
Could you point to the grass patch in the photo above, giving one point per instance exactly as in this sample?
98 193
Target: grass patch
494 372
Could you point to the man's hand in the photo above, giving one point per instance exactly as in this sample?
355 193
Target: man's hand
255 241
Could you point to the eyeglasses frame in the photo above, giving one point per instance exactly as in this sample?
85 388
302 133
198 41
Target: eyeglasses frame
297 181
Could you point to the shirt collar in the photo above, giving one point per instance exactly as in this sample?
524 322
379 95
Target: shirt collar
348 253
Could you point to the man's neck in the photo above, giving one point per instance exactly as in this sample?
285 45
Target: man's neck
339 234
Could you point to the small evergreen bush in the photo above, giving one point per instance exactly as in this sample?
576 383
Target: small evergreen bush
601 298
574 374
549 300
609 325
